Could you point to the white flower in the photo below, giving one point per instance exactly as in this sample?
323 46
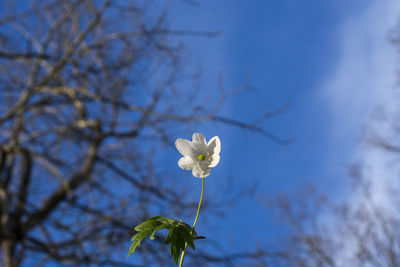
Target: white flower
198 155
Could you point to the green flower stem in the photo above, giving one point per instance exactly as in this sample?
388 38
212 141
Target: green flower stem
195 221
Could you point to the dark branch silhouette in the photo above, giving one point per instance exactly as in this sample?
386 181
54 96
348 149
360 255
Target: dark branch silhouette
91 93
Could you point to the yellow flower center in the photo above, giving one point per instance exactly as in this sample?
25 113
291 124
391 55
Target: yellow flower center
201 157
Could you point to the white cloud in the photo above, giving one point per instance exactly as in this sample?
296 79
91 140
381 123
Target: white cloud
363 79
365 73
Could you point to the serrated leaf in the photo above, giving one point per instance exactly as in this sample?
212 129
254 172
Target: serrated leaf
139 236
166 220
171 235
133 247
136 239
149 223
188 237
149 227
172 249
176 258
175 253
180 237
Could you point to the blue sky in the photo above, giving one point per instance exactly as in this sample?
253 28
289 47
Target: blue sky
330 59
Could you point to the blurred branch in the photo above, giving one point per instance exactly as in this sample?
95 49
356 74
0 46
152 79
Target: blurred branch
252 127
83 84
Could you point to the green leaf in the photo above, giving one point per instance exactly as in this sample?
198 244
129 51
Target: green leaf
179 234
177 242
162 226
166 220
176 255
148 227
171 235
180 237
136 239
188 237
173 250
149 223
133 247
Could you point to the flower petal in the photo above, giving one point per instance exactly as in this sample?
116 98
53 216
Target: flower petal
214 161
186 163
200 172
214 145
185 147
199 139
